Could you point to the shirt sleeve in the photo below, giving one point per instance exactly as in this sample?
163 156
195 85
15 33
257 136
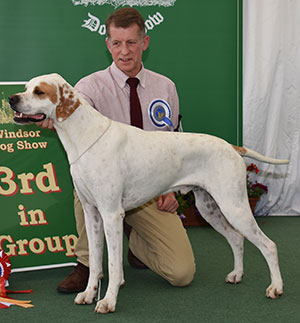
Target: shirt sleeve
85 91
174 101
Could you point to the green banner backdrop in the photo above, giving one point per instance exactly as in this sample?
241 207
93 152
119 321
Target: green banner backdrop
36 193
195 43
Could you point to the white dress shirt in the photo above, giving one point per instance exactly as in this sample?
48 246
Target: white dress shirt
108 92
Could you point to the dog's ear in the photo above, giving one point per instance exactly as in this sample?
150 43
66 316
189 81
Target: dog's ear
68 102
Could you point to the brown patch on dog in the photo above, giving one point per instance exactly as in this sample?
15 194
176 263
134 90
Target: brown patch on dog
67 104
241 150
46 90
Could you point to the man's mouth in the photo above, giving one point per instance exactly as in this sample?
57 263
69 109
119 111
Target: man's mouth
125 60
28 118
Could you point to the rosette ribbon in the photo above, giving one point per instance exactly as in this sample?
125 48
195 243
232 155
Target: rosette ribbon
5 270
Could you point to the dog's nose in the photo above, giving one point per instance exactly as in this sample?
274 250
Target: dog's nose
13 100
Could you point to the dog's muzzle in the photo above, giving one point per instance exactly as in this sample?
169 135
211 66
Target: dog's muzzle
13 100
20 117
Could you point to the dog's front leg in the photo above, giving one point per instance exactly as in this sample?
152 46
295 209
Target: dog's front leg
113 228
95 234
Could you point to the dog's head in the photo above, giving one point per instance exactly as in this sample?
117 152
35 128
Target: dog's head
46 96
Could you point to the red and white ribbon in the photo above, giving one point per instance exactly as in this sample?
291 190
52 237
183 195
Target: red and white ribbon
5 270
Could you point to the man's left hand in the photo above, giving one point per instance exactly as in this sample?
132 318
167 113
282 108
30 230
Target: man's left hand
167 202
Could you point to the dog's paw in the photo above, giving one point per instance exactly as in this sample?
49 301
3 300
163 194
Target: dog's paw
104 306
274 292
234 277
84 298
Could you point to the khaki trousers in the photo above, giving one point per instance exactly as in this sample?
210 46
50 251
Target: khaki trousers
157 238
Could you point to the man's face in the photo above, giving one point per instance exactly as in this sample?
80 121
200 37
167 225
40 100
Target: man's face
126 47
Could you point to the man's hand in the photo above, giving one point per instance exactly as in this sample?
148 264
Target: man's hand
167 203
46 124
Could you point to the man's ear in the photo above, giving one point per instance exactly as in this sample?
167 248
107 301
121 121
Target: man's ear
146 42
108 44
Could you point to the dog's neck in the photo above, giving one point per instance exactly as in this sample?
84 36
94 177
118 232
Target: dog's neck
77 139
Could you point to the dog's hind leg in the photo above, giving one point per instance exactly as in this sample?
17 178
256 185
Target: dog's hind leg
239 215
94 229
210 211
268 249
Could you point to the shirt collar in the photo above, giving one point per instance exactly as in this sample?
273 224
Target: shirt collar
120 77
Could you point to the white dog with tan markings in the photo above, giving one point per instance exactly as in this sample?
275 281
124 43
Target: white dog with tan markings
116 167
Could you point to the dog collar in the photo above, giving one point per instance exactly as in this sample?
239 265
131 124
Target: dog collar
88 147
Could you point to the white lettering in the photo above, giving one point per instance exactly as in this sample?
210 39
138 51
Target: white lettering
93 23
118 3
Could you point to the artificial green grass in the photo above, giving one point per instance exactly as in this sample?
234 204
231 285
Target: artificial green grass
148 298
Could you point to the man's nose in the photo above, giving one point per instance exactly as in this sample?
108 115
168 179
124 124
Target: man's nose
124 49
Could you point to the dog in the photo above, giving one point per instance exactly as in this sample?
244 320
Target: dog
117 167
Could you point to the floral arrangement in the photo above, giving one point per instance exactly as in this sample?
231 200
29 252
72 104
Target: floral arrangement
254 189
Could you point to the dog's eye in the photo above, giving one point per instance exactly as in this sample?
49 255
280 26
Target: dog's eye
38 92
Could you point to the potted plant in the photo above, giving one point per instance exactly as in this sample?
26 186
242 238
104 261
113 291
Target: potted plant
254 189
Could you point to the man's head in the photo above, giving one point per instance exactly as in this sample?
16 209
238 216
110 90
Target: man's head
124 18
126 39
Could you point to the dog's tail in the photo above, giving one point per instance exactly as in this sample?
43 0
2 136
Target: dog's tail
246 152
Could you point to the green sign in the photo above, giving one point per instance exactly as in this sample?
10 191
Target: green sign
37 225
196 43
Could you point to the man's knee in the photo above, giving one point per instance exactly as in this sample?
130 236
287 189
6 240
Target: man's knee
181 275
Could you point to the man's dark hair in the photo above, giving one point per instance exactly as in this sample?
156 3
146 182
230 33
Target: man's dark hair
124 18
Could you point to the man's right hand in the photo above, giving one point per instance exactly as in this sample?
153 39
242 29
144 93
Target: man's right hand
46 124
